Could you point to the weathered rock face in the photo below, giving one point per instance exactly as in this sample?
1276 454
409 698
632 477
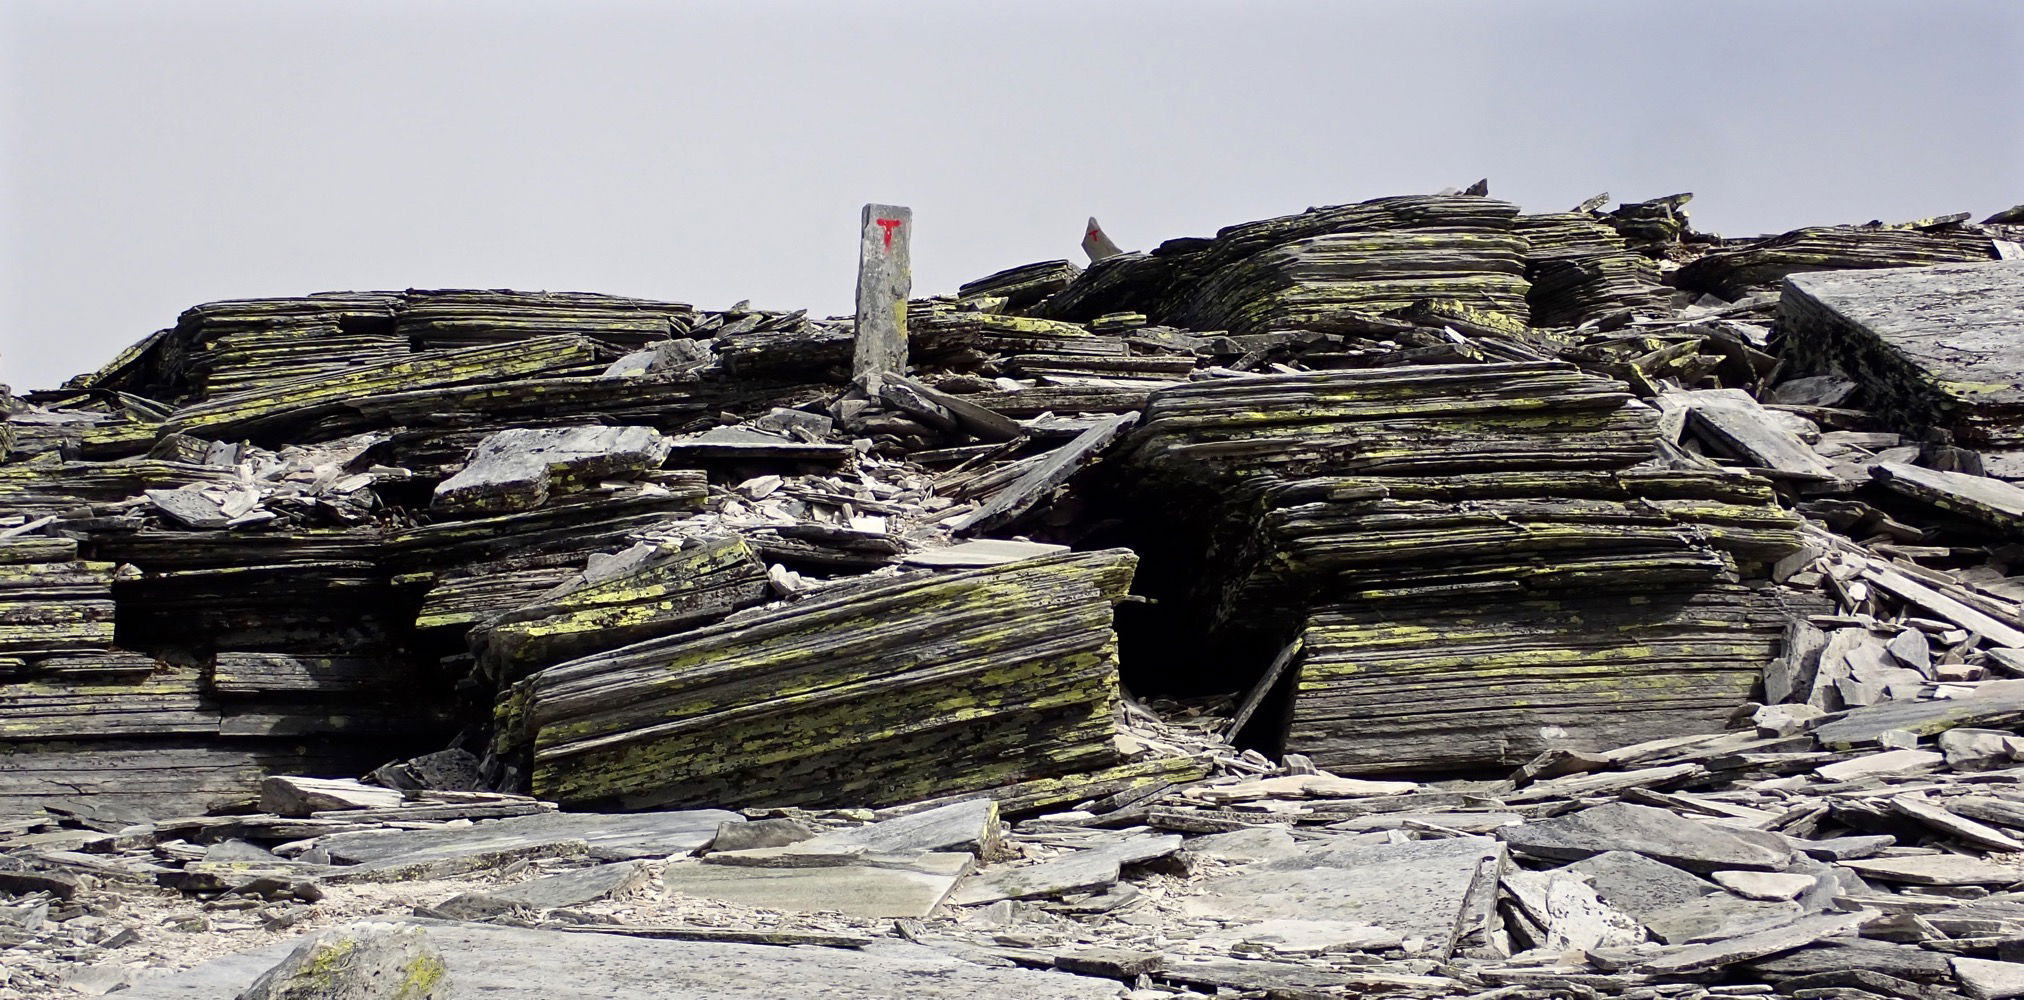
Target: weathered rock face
362 962
1932 345
956 682
1476 571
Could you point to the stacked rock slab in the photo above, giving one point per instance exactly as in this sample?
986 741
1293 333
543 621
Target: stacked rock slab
1757 265
1934 346
1473 565
1324 269
1580 270
932 683
1303 271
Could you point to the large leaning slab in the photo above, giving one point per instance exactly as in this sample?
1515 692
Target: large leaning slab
1931 345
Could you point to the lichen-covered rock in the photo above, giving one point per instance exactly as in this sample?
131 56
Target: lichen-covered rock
358 962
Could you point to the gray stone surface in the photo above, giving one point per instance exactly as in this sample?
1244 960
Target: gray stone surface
1719 914
1258 843
959 826
358 962
1936 869
516 469
1900 961
289 795
981 552
1637 884
553 891
1093 868
1990 707
1987 980
1767 886
1979 749
1306 937
882 886
506 963
1570 913
1655 833
1417 889
746 836
1879 764
612 837
1758 944
1952 321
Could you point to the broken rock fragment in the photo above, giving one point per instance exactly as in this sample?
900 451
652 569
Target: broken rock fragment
519 469
359 962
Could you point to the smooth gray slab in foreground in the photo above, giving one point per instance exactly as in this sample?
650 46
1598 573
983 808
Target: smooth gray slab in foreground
612 837
511 963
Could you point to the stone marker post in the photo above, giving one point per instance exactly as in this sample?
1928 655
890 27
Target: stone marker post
884 277
1096 244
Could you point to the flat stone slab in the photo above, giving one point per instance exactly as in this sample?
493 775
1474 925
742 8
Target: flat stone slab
1878 764
1993 502
1655 833
885 886
1758 944
1768 886
1094 868
1418 889
552 892
1936 869
981 552
1306 937
1987 980
1956 322
289 795
511 963
1258 843
1300 786
611 836
1638 885
959 826
514 469
1986 709
1570 913
1720 914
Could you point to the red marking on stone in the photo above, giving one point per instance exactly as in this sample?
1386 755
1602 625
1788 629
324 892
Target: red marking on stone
889 225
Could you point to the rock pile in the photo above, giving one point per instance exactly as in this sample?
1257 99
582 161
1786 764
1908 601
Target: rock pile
1562 604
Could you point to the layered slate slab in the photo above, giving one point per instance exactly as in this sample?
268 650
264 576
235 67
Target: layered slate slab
1932 346
927 684
1474 565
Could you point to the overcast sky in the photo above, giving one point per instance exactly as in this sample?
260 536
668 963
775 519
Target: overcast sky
158 154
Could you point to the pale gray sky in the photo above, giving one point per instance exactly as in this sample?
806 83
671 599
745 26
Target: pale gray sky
157 154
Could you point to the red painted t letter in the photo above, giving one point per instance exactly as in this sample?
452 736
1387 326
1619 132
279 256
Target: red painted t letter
888 225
